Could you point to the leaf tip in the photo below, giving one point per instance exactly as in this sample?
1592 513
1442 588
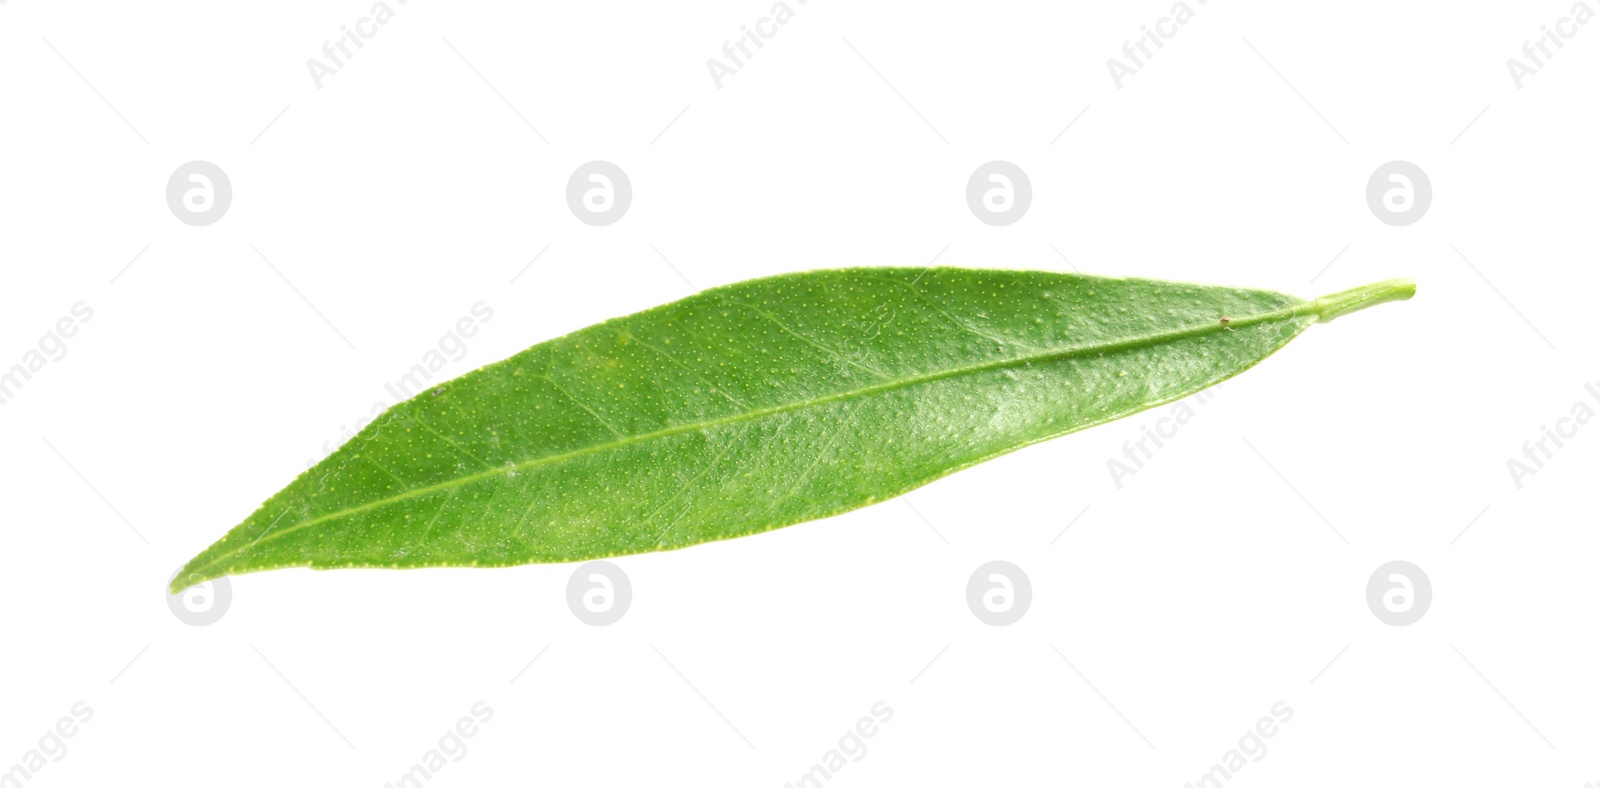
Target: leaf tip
192 574
180 582
1356 299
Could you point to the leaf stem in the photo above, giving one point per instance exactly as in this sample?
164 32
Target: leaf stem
1356 299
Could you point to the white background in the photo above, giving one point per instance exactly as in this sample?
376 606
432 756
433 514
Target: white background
1172 614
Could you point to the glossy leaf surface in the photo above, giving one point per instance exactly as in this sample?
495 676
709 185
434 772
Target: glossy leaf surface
755 406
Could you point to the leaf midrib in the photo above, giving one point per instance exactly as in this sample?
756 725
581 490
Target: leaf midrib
759 413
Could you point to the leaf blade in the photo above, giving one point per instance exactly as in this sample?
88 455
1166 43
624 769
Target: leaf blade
752 407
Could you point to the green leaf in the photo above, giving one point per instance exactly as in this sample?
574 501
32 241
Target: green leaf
755 406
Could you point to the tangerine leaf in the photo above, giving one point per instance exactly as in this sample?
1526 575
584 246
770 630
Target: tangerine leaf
754 406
